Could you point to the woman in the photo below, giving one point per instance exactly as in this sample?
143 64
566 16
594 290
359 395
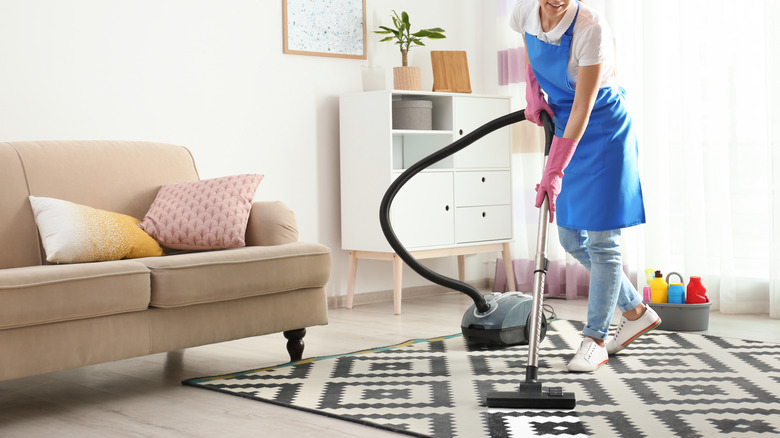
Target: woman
571 58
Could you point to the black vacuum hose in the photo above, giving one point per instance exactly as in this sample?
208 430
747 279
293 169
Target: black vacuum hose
384 207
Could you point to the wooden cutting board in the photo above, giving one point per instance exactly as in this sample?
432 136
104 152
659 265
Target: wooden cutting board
450 71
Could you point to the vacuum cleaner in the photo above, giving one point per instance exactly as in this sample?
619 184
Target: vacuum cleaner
500 319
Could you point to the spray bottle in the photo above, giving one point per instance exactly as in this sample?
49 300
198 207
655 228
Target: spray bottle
646 293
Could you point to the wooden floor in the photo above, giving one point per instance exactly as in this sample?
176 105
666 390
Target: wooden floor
143 397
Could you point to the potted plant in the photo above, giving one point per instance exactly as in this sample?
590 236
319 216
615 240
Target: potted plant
405 77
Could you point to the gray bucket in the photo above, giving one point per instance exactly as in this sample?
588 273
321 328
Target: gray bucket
683 317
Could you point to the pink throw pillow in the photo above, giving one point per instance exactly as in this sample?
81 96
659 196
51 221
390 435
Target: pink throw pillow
205 214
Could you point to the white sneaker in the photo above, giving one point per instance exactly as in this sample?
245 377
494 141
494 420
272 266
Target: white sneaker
628 331
589 357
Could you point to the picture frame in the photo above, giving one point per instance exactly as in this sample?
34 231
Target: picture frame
335 28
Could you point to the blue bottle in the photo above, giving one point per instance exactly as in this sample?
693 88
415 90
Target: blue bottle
676 291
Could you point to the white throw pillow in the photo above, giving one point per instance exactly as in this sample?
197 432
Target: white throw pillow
73 233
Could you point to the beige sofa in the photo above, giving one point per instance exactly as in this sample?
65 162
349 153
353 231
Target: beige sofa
55 317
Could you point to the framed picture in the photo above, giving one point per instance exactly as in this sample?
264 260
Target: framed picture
325 28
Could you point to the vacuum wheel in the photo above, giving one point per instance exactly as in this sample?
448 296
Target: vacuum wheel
542 332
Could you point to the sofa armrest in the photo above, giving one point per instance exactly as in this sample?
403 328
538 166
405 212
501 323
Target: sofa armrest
271 223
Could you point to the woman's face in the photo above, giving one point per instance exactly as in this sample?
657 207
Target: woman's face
554 9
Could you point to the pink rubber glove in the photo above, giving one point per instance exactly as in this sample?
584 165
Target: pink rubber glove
561 151
535 102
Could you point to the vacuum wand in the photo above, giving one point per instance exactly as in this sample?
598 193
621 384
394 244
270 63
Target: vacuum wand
540 271
531 394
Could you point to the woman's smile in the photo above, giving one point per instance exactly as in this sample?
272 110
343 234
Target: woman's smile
552 11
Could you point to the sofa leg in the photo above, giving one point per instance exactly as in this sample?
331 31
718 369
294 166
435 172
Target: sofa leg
295 343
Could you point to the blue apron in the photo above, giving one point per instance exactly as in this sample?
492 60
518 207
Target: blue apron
600 187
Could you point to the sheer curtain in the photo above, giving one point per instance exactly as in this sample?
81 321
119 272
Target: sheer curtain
773 35
709 153
702 84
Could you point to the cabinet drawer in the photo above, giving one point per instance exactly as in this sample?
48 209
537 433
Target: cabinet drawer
482 188
474 224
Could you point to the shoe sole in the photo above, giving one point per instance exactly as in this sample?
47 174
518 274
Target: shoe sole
636 336
588 371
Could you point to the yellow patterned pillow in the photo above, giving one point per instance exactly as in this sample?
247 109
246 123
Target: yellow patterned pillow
73 233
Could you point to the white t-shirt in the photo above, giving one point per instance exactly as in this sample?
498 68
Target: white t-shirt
591 41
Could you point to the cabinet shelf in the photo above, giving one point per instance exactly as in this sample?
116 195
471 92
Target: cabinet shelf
397 172
448 133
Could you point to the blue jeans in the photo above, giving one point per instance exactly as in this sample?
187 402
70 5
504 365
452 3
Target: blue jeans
599 252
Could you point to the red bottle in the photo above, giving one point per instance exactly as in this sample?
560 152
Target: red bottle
697 293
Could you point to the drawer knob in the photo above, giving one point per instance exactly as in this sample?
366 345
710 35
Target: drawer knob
484 214
446 208
483 179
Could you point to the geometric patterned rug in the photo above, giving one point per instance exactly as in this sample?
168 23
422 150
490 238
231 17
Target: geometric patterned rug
666 384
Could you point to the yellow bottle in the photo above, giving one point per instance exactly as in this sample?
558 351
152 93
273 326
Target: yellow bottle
659 289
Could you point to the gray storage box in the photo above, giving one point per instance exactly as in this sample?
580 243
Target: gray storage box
413 114
683 317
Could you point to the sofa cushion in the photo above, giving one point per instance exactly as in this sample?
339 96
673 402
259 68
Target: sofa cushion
51 293
205 214
74 233
204 277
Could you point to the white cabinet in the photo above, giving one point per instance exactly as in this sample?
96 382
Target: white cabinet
461 205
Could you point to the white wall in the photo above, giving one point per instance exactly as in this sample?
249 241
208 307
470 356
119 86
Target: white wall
211 75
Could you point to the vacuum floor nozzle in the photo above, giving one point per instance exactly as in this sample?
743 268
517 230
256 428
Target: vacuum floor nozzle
532 395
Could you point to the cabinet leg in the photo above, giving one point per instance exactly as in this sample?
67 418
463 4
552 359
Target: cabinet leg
352 274
398 266
462 268
508 268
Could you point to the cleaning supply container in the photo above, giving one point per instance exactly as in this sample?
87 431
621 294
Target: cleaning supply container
696 293
683 317
659 289
646 291
676 291
692 314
